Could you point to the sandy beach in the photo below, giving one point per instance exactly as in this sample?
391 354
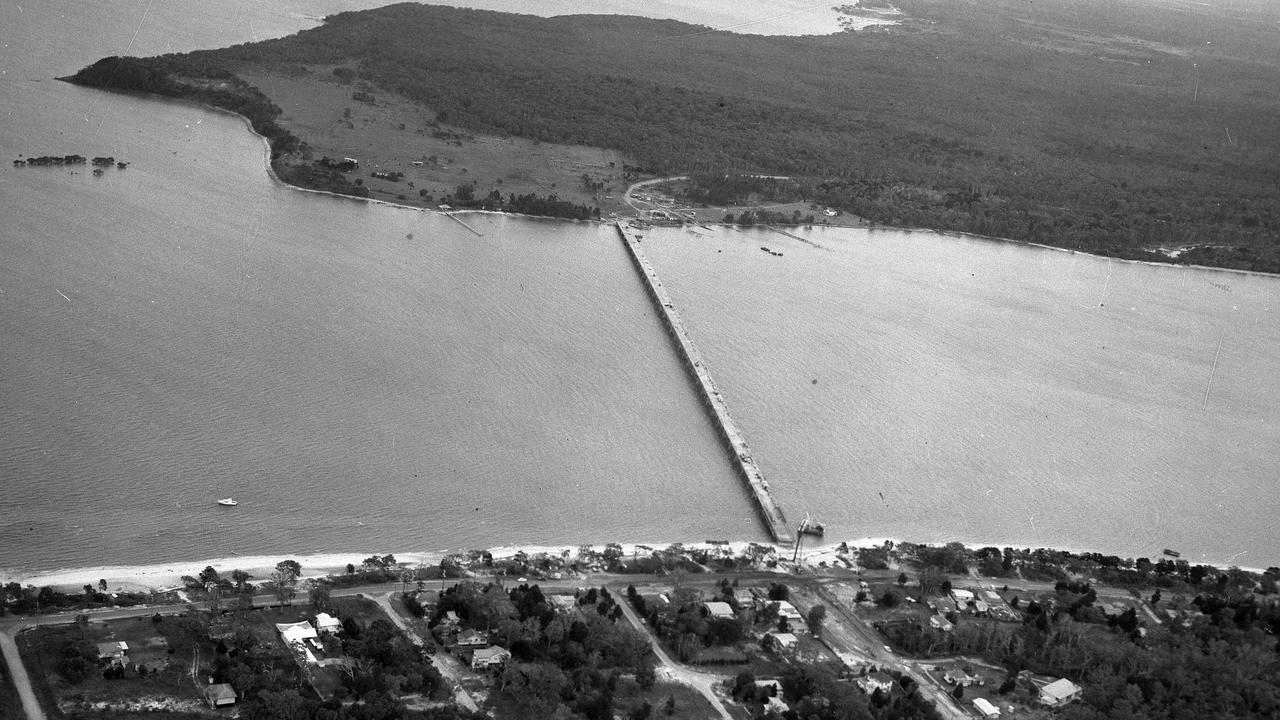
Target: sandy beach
167 576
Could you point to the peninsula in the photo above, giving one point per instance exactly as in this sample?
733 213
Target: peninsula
1137 131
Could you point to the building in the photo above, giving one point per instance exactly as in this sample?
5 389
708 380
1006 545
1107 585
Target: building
985 708
876 681
489 657
938 622
775 704
112 652
944 605
962 597
296 633
471 639
781 643
962 678
718 610
1059 693
327 624
220 695
789 611
564 603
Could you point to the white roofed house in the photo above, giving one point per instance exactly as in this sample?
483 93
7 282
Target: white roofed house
327 624
296 633
1059 693
718 610
985 707
876 681
489 657
781 643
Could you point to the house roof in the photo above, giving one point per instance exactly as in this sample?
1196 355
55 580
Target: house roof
881 677
491 653
324 620
220 693
296 632
985 707
787 610
959 594
471 637
784 639
718 609
1060 689
111 649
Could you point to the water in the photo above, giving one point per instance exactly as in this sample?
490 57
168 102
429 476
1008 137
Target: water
372 379
912 385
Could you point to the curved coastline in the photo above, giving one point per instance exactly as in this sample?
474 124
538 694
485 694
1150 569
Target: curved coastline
895 228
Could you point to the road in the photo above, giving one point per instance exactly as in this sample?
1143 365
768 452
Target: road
18 671
843 632
448 666
670 669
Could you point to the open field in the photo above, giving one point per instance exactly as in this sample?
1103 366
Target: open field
388 133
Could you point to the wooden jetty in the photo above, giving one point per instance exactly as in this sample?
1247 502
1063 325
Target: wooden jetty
710 396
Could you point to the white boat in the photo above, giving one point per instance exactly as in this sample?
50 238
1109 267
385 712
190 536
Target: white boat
227 501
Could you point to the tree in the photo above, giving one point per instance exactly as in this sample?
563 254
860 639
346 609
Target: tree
102 584
208 576
902 579
958 693
286 580
318 592
817 614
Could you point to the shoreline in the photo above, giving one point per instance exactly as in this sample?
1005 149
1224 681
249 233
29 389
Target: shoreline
160 577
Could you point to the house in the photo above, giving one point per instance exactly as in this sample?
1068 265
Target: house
944 605
789 611
296 633
876 681
962 678
113 652
937 622
489 657
220 695
768 688
565 604
775 705
471 639
781 643
1059 693
985 708
981 607
327 624
718 610
962 597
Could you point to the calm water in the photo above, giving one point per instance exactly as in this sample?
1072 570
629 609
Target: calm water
374 379
913 385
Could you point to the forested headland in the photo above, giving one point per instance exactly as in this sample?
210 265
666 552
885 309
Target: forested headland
1108 128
